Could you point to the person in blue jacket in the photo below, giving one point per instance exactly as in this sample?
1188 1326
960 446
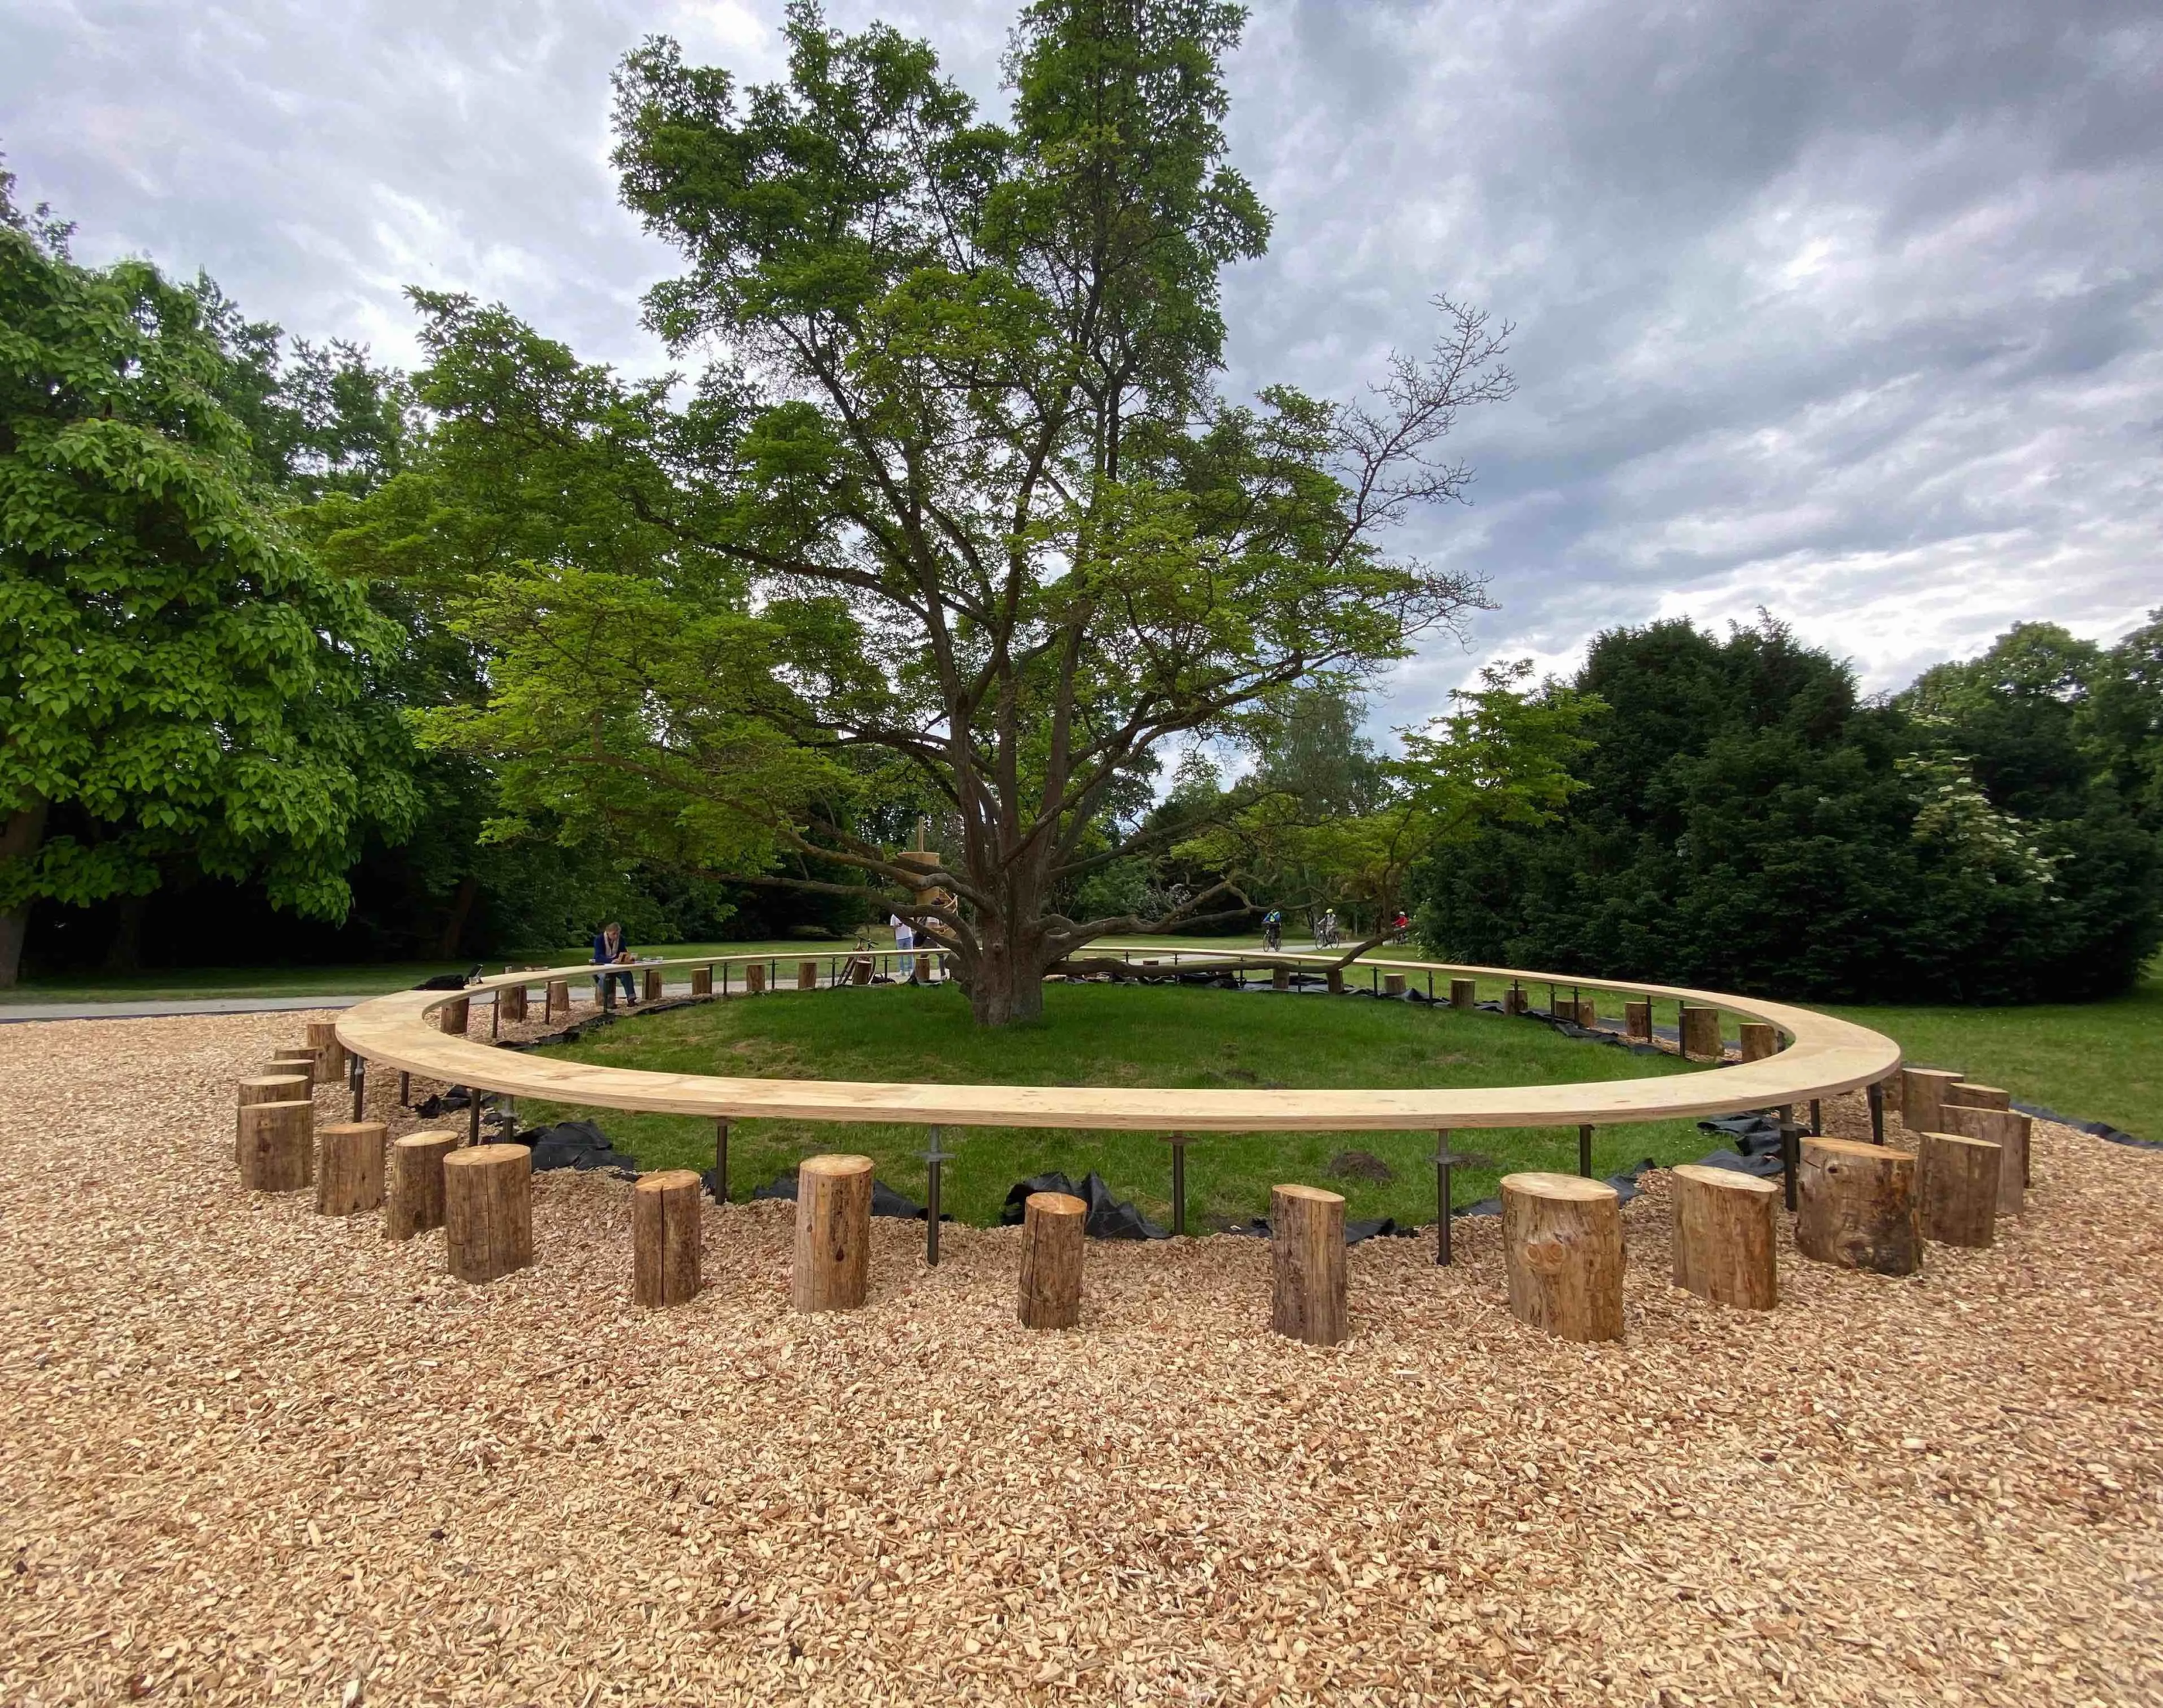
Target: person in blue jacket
609 950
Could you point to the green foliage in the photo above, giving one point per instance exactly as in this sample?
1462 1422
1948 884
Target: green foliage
1751 825
182 688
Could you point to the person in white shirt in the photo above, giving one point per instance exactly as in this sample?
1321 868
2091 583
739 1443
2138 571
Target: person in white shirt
904 939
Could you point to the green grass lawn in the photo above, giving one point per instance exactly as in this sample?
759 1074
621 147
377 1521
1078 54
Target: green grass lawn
1098 1035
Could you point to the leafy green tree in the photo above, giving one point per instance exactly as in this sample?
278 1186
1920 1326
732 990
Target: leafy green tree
181 687
957 512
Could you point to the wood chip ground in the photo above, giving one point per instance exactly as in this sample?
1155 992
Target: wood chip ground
253 1454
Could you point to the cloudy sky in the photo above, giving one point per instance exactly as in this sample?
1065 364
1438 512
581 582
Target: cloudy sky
1851 310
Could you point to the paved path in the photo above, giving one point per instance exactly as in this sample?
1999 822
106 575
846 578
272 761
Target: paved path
13 1012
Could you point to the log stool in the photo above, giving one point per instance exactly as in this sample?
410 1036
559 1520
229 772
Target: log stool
832 1233
755 979
1393 984
415 1203
1856 1207
1637 1021
1463 992
1562 1240
487 1211
1759 1040
300 1058
702 981
1280 978
265 1088
1970 1096
558 1000
511 1000
1052 1225
2008 1130
654 984
664 1237
1515 1002
1307 1299
859 970
1958 1180
1700 1035
277 1146
456 1013
330 1054
349 1167
807 975
1923 1098
1334 978
1724 1245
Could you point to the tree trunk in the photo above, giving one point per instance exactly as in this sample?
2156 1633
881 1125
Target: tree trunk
22 833
1005 987
124 952
454 927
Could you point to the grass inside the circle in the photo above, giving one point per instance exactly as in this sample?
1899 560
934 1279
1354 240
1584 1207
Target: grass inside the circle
1173 1036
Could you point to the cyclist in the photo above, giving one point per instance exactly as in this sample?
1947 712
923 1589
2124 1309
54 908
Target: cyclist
1401 928
1273 928
1325 931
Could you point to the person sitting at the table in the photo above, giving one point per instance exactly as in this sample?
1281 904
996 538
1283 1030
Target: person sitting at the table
609 950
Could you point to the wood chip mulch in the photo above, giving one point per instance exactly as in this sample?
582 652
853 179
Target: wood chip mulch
253 1454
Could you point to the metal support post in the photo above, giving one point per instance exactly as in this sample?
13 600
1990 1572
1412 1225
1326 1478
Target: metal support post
935 1156
359 1085
721 1160
405 1089
1445 1159
1178 1142
1877 1096
473 1114
1585 1151
1817 1117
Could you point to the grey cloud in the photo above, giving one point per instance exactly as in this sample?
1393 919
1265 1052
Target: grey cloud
1849 309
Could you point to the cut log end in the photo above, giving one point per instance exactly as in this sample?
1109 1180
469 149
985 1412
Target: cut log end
277 1146
349 1168
1855 1207
414 1203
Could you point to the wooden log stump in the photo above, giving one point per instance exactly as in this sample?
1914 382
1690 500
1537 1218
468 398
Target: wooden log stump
859 970
1923 1098
1562 1241
1700 1035
1587 1014
755 979
512 1000
1515 1002
1958 1180
832 1233
1725 1248
1759 1040
1393 984
664 1237
1308 1297
266 1088
1637 1022
299 1058
558 1001
454 1016
1855 1207
2010 1131
415 1202
654 984
349 1168
1967 1095
330 1054
702 981
1280 978
487 1211
1334 978
807 975
1463 993
1052 1226
278 1146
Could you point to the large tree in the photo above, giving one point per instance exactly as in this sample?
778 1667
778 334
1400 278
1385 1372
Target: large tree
955 515
182 688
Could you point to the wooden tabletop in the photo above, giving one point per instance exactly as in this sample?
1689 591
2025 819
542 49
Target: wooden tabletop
1825 1055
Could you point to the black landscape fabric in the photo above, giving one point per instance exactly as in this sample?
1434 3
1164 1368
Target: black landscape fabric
1108 1218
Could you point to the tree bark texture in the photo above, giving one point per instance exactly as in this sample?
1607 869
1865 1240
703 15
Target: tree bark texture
2010 1132
832 1233
349 1168
1463 993
264 1088
277 1146
1637 1021
1562 1242
1724 1247
664 1237
330 1054
1700 1035
1958 1177
1970 1096
21 834
487 1211
415 1200
1923 1098
1052 1242
1759 1040
1855 1207
1308 1297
